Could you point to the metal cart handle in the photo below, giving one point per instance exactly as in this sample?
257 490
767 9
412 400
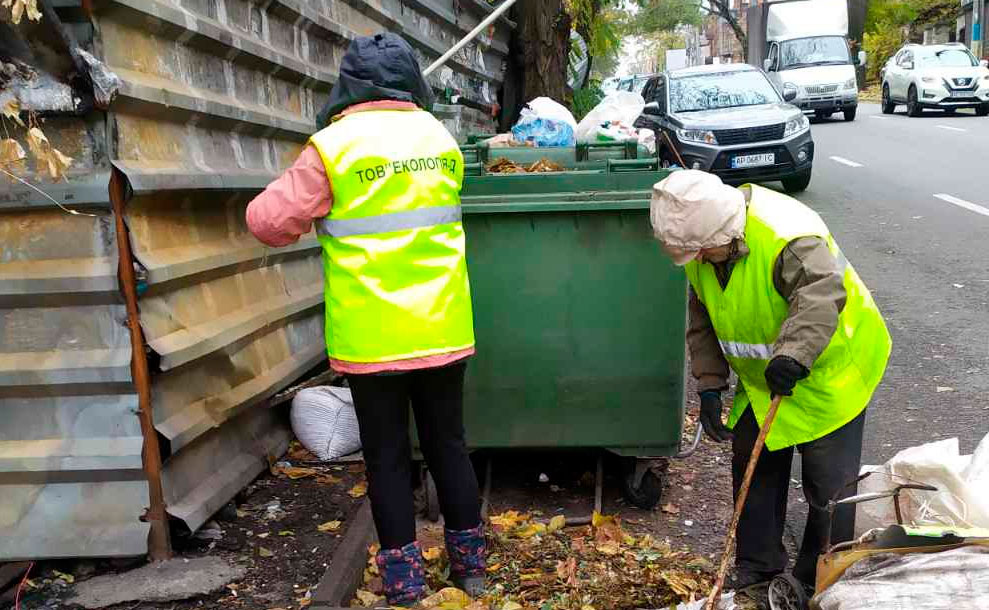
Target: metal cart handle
693 445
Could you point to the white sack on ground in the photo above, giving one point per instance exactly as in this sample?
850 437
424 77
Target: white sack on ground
962 481
324 421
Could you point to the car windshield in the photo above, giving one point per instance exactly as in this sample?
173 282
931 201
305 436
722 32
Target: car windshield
817 51
946 58
721 90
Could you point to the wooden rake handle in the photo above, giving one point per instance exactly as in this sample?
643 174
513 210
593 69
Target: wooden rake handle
715 597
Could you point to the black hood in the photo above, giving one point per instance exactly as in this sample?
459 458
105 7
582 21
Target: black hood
380 67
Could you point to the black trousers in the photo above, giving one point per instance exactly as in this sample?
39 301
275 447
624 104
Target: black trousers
828 464
382 404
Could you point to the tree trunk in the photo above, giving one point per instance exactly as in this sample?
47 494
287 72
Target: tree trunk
540 53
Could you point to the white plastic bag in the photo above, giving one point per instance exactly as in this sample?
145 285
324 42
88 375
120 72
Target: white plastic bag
324 421
545 122
619 107
962 481
953 579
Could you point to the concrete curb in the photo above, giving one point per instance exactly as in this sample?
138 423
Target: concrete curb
346 569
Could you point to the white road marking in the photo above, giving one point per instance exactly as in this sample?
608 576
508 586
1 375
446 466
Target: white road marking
878 118
971 207
952 128
845 161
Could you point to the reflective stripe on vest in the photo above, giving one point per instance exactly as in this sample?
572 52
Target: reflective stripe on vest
389 223
748 313
394 250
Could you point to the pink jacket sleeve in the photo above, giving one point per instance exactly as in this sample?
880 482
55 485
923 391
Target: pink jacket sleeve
285 210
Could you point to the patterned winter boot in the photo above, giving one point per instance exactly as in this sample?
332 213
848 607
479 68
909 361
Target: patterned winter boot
467 559
403 574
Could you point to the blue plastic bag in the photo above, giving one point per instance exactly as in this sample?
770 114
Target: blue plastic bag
545 123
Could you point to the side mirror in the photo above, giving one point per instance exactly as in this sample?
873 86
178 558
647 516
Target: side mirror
789 93
767 65
984 63
862 58
652 108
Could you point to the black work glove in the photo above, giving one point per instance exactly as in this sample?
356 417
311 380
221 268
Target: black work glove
782 375
711 417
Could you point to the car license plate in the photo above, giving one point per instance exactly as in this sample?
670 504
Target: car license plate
753 160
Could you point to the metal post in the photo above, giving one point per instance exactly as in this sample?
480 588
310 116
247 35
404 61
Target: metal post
159 543
473 33
977 7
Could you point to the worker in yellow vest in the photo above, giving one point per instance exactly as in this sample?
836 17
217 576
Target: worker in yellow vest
381 182
773 298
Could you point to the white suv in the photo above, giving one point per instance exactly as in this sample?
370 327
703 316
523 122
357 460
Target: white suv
941 76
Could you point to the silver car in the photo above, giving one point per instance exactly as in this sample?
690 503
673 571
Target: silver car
731 121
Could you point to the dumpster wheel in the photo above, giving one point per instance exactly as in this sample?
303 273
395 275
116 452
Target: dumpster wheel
787 593
642 482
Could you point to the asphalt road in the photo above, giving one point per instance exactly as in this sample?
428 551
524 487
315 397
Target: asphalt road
906 199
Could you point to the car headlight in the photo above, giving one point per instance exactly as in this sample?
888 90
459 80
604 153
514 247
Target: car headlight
851 84
796 125
928 79
697 135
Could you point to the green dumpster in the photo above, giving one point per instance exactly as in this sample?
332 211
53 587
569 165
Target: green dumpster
569 157
579 317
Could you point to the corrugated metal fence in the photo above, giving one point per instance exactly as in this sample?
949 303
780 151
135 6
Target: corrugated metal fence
215 98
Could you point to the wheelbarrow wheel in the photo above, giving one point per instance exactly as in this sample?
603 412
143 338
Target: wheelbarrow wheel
648 493
432 498
787 593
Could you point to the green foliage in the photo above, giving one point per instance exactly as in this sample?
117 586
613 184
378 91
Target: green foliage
880 46
584 100
890 23
655 16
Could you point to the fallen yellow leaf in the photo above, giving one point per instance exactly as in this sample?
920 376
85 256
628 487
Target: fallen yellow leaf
597 519
20 7
241 513
366 598
556 523
42 149
294 472
286 533
508 520
510 605
448 599
328 479
329 526
432 553
69 578
12 111
264 535
358 491
303 601
671 509
265 552
493 568
530 530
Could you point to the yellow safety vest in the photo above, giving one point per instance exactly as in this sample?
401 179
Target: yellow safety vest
393 243
747 316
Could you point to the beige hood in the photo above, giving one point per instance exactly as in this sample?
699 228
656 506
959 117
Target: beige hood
693 210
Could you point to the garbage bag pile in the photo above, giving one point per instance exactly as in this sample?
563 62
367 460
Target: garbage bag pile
954 579
545 122
962 481
613 120
534 564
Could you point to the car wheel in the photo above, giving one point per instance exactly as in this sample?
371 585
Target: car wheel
982 110
913 106
850 114
888 106
798 183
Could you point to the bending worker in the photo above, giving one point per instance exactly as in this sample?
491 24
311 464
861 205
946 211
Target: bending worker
382 183
772 297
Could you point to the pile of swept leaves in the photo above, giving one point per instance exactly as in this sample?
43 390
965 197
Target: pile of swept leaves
502 165
546 566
